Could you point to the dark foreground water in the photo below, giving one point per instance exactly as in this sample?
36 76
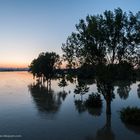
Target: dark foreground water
29 112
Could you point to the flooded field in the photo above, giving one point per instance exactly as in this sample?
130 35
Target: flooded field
31 111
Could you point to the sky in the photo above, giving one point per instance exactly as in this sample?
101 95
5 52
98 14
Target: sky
29 27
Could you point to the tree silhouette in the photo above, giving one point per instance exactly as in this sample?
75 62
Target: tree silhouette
109 38
44 66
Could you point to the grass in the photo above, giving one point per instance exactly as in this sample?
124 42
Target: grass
130 115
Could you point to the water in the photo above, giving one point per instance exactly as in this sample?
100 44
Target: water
30 112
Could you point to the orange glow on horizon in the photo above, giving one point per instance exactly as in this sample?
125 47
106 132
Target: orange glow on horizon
22 65
10 65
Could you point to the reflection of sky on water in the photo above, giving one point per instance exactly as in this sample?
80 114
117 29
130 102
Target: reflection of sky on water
23 112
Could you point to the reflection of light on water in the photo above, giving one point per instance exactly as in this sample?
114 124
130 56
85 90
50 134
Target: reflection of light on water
45 113
13 88
14 80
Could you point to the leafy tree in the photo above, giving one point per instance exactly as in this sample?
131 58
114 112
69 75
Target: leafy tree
45 65
109 38
70 51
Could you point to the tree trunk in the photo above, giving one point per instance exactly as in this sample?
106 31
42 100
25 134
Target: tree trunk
108 104
113 56
108 107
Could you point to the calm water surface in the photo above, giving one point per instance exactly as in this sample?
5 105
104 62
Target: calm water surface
28 110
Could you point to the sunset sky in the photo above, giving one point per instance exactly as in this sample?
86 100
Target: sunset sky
28 27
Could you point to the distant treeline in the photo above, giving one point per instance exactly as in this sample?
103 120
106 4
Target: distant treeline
13 69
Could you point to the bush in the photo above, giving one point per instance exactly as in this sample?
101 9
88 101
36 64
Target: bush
130 115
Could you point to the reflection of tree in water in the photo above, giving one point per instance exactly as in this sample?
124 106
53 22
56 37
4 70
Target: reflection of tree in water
93 105
105 81
81 88
135 129
105 86
63 83
63 94
106 133
138 90
80 106
124 89
94 111
70 78
46 100
107 90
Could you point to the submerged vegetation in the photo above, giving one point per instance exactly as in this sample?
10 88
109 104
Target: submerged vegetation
93 105
130 115
105 48
43 67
